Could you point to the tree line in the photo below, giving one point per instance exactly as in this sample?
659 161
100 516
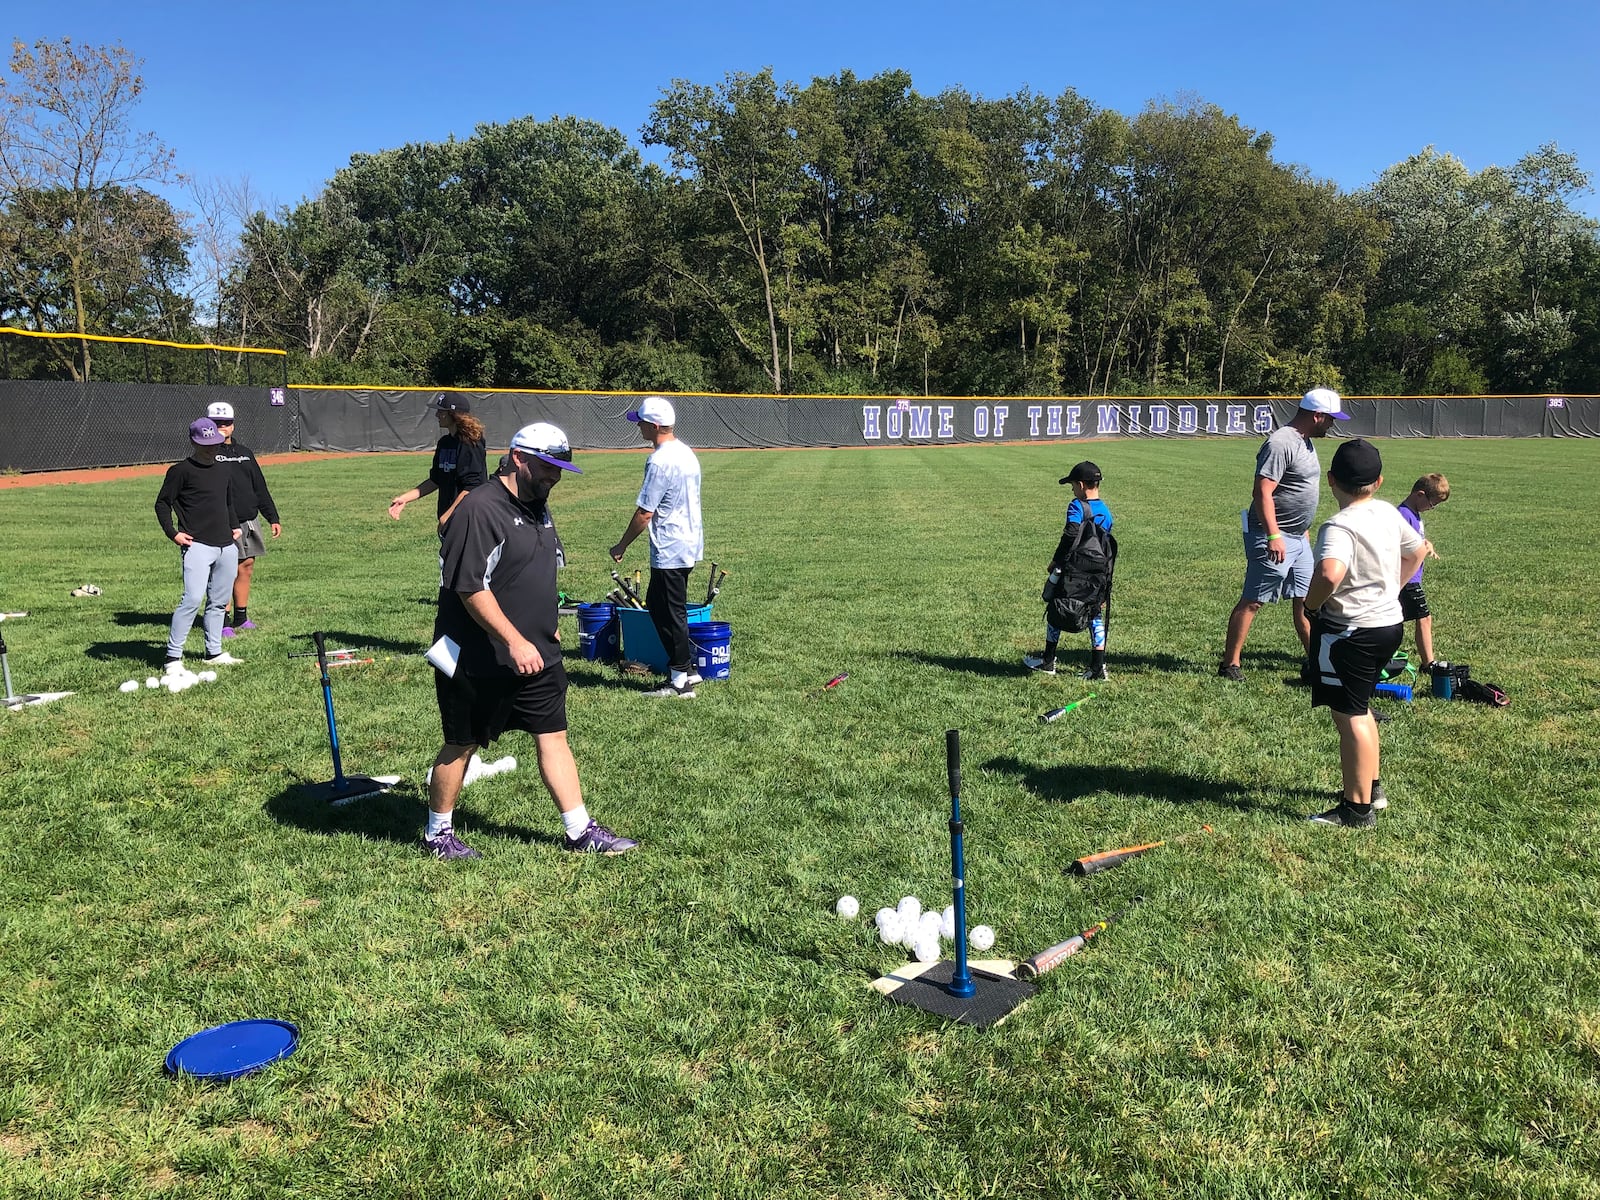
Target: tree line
847 236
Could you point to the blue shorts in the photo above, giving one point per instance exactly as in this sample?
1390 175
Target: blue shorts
1265 581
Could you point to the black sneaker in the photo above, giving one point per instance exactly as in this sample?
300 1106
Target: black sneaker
1045 664
1347 815
1230 671
1096 673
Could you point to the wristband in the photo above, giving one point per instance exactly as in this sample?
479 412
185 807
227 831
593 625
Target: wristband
1272 537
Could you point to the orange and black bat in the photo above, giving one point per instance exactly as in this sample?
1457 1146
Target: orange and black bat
1052 957
1093 864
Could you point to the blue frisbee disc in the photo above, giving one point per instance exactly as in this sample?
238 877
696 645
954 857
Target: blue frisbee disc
233 1050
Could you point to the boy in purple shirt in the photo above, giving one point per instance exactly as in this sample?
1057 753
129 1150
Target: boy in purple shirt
1426 494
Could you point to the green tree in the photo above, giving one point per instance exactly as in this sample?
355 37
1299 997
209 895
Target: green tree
734 145
85 246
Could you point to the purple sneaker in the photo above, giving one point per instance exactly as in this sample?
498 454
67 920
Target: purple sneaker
227 631
447 845
597 839
248 625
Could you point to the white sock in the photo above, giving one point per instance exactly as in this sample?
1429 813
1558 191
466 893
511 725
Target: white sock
438 822
680 679
576 821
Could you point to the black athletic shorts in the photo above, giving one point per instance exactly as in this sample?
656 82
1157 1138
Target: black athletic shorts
476 709
1413 602
1347 663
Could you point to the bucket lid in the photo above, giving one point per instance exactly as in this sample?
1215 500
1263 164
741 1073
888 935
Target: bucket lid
233 1050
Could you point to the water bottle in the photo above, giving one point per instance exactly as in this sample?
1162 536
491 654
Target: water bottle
1444 680
1051 584
1399 691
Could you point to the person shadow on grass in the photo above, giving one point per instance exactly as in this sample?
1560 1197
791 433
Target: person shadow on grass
398 815
1066 782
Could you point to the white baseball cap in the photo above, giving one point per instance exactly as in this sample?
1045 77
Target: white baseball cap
655 410
1324 400
220 411
545 442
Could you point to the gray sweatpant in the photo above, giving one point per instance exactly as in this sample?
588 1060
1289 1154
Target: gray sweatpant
208 573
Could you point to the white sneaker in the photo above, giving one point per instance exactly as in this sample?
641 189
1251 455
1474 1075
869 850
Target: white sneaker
223 660
667 692
694 678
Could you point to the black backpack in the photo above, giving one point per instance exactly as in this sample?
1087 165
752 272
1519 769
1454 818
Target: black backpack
1087 557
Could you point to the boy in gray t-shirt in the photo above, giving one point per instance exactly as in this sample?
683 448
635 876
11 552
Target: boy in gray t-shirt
1365 552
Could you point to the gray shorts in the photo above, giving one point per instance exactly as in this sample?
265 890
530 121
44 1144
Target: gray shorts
1265 581
250 542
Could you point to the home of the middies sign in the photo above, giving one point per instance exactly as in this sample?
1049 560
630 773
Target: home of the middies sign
962 420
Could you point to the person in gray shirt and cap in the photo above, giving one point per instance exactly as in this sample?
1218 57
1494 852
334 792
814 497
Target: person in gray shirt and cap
1283 503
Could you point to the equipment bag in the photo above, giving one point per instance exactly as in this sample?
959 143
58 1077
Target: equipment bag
1483 692
1087 558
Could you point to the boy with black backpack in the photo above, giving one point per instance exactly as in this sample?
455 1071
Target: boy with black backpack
1077 593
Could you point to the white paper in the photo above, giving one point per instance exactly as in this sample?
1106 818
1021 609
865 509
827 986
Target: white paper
444 654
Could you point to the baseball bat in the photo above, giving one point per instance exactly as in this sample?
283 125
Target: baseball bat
1055 714
638 580
1052 957
11 616
711 582
832 683
716 588
1093 864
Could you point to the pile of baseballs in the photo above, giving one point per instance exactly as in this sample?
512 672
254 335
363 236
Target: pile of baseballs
180 681
918 929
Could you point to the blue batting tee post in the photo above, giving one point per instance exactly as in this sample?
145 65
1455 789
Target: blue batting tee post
320 639
961 983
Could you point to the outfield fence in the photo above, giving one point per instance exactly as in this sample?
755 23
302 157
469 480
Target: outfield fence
50 425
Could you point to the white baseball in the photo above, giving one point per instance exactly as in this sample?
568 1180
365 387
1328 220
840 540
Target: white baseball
848 907
981 937
947 923
910 908
131 686
926 949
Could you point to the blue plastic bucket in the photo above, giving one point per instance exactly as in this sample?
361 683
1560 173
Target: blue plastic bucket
641 643
713 649
599 633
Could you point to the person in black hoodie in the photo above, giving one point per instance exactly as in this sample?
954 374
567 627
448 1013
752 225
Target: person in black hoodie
252 499
197 494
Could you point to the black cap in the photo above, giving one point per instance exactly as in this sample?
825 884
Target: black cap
1085 472
445 402
1357 463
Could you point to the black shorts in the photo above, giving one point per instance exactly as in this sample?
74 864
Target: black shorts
1347 663
1413 602
476 709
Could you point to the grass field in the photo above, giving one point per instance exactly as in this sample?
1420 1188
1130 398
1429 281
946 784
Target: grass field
1296 1010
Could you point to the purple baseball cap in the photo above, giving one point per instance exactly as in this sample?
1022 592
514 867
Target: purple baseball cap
204 432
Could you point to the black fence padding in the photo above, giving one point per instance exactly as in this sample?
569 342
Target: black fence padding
55 426
345 419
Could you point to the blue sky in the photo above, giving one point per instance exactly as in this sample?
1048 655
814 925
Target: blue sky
285 93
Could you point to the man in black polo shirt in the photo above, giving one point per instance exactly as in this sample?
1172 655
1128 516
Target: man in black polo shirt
498 606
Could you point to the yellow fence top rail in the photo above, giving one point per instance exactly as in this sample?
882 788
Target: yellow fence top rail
95 337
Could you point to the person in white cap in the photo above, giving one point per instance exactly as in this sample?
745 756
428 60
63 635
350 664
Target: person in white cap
253 499
669 507
498 604
1283 501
